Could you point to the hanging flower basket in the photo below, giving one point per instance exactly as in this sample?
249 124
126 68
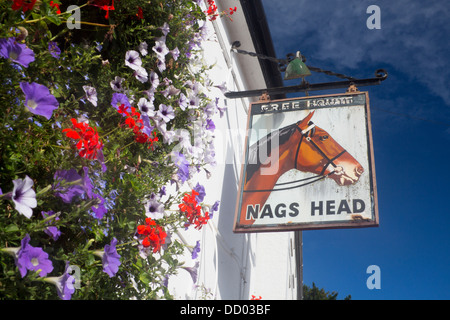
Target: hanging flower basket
91 111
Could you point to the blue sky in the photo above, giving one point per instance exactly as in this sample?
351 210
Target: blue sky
411 135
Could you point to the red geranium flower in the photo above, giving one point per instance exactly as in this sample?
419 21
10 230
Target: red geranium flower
24 4
89 143
134 121
140 13
104 5
193 211
152 234
55 5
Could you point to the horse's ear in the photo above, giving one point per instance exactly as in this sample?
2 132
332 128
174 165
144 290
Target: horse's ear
303 124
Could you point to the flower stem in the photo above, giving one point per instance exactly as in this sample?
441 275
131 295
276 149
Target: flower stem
45 190
62 147
184 241
88 244
107 134
133 242
89 23
35 20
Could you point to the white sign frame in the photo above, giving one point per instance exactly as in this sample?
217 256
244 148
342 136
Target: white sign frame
323 204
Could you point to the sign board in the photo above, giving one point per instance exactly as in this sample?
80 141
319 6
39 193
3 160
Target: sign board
308 164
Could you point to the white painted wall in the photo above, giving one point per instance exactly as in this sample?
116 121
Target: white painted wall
234 266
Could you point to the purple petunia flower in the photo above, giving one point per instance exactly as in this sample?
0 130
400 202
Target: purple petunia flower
38 99
165 28
146 108
101 159
14 251
99 208
168 135
54 50
183 166
193 271
16 52
154 209
175 53
201 192
52 231
91 94
64 284
214 208
210 125
132 59
222 110
193 100
162 191
33 259
71 184
161 65
170 91
182 101
111 259
141 74
143 48
165 281
118 99
154 79
196 250
87 183
222 87
37 259
165 113
160 49
209 110
20 263
116 84
23 196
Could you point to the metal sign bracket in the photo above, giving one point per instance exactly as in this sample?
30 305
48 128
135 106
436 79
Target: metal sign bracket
350 83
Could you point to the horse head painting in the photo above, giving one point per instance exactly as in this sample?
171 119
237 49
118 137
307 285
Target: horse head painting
303 146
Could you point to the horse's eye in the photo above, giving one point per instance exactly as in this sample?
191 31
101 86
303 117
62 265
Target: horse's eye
323 138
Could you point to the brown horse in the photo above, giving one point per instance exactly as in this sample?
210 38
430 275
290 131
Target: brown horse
303 146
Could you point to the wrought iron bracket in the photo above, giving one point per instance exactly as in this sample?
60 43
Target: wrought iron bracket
380 75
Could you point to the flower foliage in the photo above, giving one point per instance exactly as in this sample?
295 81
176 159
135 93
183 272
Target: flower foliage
103 126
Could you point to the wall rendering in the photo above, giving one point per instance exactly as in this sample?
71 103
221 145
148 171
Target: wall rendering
229 265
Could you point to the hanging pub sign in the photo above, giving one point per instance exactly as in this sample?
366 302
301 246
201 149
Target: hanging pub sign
308 164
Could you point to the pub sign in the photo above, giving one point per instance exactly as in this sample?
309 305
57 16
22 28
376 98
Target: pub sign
308 164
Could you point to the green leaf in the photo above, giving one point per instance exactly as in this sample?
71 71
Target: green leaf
90 259
145 278
54 19
47 10
11 228
131 225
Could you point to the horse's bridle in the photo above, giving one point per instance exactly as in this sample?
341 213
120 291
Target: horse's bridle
307 135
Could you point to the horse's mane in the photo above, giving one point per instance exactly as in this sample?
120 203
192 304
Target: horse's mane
254 161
